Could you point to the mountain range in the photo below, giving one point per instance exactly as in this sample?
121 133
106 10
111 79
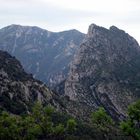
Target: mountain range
45 54
101 68
19 91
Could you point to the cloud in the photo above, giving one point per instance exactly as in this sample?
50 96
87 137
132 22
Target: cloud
61 15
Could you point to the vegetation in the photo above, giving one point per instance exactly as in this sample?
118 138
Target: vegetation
37 125
131 126
46 123
102 120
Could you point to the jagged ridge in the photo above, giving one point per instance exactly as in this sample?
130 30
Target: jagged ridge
43 53
105 71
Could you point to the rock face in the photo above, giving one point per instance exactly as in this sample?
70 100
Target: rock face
43 53
19 90
106 71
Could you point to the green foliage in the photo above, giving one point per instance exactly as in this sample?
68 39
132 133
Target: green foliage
127 127
134 111
59 129
29 128
37 112
49 110
101 120
36 125
131 126
45 123
8 126
71 125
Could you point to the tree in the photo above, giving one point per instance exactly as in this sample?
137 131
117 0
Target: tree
9 126
59 129
29 128
71 125
37 112
131 126
39 124
101 120
134 111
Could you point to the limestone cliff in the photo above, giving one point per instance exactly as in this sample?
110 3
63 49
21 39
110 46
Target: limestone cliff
106 71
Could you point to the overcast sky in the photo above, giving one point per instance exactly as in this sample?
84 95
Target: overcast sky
58 15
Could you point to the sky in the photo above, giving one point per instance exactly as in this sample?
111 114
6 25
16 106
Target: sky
59 15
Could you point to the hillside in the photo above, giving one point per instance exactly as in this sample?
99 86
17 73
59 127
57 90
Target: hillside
19 90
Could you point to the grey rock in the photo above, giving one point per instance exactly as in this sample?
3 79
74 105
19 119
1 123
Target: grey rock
19 90
105 71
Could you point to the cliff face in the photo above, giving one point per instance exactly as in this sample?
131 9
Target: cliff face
19 90
43 53
106 71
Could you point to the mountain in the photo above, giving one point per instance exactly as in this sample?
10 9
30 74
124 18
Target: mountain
19 90
43 53
105 71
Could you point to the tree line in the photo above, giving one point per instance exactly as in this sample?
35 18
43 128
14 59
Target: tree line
46 123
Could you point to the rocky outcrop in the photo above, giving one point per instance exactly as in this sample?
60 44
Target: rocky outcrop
43 53
106 71
19 90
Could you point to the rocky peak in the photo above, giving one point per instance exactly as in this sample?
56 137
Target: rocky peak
105 71
94 30
114 28
19 29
